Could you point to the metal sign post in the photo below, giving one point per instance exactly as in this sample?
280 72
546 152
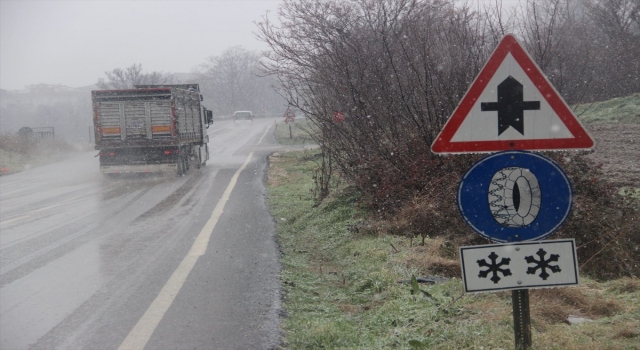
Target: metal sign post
289 121
528 197
514 197
521 318
519 266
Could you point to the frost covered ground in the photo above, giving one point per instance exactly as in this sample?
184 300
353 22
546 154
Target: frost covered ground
615 126
618 150
342 291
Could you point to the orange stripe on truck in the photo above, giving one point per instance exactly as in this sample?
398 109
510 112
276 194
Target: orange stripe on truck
161 128
112 130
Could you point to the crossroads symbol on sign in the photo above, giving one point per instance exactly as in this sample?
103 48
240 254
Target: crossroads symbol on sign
494 267
510 106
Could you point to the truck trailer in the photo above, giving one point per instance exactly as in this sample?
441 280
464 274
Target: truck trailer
151 128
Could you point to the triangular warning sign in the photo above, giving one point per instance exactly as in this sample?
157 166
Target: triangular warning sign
289 113
511 106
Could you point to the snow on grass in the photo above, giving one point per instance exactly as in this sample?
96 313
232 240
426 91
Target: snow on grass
622 110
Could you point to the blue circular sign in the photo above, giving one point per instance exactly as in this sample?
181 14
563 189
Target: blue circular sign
515 196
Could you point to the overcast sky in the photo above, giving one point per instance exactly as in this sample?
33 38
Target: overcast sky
74 42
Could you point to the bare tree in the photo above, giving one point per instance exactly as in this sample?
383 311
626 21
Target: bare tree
395 68
616 23
587 48
617 18
126 78
498 21
232 82
378 78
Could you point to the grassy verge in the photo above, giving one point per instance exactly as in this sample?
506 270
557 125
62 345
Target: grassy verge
622 110
342 292
295 134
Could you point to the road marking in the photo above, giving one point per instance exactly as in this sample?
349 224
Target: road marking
14 219
46 208
28 213
142 331
263 135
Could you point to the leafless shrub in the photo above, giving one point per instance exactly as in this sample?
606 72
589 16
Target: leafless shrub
16 143
604 225
588 49
616 28
322 176
126 78
396 70
560 41
231 81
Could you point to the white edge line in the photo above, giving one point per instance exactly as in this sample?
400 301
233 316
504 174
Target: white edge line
142 331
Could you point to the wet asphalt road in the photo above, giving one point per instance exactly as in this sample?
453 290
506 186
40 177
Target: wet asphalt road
83 257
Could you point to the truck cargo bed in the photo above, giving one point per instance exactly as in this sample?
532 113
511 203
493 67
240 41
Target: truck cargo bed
150 128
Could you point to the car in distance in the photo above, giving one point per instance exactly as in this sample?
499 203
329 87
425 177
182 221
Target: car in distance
242 115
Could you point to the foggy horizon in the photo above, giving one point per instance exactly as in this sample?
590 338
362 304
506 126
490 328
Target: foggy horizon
72 43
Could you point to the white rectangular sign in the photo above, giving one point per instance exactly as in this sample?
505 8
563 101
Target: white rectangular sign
523 265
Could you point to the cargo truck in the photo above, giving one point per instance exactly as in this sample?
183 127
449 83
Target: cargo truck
151 128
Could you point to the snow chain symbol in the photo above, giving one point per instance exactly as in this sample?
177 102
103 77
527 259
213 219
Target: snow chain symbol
494 267
514 197
542 264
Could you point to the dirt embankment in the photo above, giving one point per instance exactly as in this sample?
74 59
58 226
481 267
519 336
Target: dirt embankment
618 150
19 153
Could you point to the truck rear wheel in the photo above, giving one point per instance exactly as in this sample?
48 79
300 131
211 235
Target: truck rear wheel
181 169
179 166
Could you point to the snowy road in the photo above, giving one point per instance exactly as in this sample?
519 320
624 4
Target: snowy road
83 257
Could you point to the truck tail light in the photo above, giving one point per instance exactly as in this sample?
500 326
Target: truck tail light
168 152
112 154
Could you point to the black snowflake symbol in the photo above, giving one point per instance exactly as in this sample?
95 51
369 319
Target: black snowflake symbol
542 264
494 268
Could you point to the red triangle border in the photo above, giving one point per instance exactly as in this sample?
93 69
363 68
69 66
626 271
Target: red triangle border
509 44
